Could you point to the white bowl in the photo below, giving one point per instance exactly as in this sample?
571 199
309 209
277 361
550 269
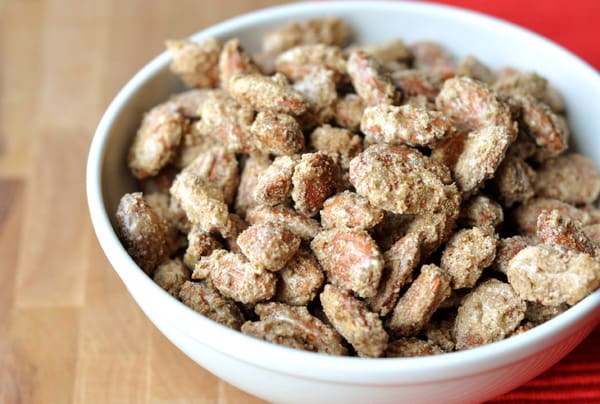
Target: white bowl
280 374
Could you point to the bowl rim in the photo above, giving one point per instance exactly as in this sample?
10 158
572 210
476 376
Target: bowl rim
297 362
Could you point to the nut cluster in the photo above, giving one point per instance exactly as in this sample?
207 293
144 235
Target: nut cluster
374 200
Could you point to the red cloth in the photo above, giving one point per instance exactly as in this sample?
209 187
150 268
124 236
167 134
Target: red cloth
575 379
575 25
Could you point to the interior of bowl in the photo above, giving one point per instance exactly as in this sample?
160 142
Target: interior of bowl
494 42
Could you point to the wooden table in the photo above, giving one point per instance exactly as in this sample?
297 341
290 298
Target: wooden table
69 331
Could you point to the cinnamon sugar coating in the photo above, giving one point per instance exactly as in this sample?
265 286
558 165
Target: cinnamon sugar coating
374 200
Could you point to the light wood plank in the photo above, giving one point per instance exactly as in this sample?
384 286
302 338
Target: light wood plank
20 69
110 378
230 394
68 113
56 229
11 213
112 346
15 375
42 353
174 378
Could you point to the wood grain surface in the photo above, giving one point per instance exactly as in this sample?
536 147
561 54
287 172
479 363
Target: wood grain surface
69 331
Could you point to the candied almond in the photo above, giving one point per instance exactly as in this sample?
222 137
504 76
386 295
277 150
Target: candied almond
277 133
592 232
299 280
315 178
507 248
189 102
348 209
476 69
340 143
270 245
533 84
227 121
549 130
436 228
160 204
203 203
351 318
411 347
489 313
142 231
234 60
369 80
414 83
157 140
274 184
431 58
400 179
178 217
571 178
171 275
348 111
327 31
200 243
295 327
514 181
252 169
218 167
195 63
525 216
319 89
423 297
592 211
299 223
471 105
394 50
551 276
266 94
391 229
484 150
206 300
554 100
298 62
193 143
159 183
523 147
439 332
399 262
538 313
525 325
556 230
454 300
522 83
450 149
239 225
407 124
467 254
481 211
235 277
350 258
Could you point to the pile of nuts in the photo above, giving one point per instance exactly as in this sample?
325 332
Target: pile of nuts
373 200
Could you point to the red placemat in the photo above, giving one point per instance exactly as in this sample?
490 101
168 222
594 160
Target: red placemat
575 25
575 379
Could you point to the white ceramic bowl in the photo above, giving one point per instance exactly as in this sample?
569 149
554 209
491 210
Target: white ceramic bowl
280 374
